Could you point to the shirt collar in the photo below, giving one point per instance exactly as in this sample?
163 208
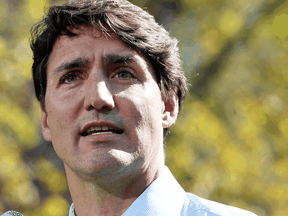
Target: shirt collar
163 197
71 210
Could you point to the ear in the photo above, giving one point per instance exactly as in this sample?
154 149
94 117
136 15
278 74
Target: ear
45 125
170 111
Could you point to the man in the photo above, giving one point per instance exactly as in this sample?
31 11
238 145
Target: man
110 84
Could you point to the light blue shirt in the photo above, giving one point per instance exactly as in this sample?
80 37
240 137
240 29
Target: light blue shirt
165 197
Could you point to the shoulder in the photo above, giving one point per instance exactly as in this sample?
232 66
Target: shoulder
194 205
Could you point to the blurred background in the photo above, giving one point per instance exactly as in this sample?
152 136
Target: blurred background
230 143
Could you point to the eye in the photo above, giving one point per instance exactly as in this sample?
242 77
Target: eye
123 73
70 78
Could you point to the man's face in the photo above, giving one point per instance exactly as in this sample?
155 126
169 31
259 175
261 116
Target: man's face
104 110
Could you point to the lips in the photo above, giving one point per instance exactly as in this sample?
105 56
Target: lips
100 128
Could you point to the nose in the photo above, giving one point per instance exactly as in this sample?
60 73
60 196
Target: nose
98 95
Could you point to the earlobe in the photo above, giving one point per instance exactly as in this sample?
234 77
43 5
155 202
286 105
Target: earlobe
45 125
170 111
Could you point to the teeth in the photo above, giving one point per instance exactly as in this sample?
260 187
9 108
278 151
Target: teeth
98 129
104 132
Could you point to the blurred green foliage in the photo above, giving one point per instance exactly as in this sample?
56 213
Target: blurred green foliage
230 143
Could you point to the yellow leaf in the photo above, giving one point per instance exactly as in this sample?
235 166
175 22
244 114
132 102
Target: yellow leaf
280 211
230 22
54 206
36 8
3 11
27 194
206 181
234 161
23 54
212 41
277 27
17 120
48 174
281 168
3 45
277 192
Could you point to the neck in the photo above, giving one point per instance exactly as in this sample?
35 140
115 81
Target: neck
108 195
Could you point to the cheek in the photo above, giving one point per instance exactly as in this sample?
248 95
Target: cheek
60 117
62 132
142 108
58 124
63 97
132 108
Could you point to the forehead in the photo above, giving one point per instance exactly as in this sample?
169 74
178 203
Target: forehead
87 38
92 44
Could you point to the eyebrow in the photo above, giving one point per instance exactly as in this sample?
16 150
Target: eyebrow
117 59
106 60
75 63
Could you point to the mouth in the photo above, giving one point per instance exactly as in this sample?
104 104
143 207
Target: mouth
96 130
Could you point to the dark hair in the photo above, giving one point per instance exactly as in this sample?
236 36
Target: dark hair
135 27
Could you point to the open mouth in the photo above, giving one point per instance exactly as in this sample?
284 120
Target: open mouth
101 130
